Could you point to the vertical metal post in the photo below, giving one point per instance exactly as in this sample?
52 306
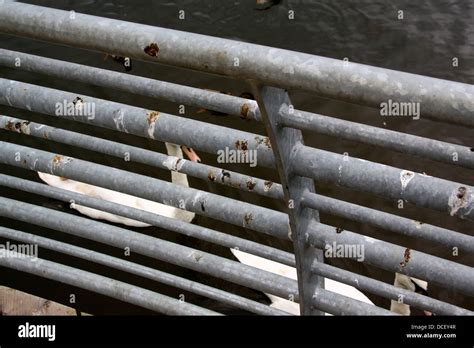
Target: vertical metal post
273 103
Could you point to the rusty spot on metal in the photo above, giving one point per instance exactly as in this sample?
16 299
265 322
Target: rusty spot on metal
339 230
461 194
152 116
248 217
251 184
225 175
56 160
266 142
19 127
406 257
152 49
63 178
244 111
211 176
241 145
267 185
45 135
10 126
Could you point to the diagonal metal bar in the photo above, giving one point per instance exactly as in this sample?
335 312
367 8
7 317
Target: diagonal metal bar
284 141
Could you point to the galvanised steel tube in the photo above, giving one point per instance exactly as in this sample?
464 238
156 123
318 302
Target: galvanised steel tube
156 248
343 305
143 271
388 291
394 258
366 176
175 225
385 181
329 205
137 121
390 222
381 254
103 285
208 204
245 108
135 154
400 142
440 99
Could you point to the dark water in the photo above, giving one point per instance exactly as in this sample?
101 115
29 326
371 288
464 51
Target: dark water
369 32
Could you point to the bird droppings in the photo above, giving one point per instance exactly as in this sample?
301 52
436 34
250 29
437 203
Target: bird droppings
339 230
418 224
224 175
152 49
151 116
241 145
461 198
211 176
244 111
406 257
251 183
248 217
174 163
405 177
267 185
78 102
263 141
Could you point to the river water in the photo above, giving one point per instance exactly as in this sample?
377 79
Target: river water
424 41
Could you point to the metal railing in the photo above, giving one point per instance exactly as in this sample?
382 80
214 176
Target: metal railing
282 148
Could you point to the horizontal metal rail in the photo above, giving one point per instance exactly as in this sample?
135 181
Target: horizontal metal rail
191 96
440 99
198 170
385 181
388 291
395 258
245 108
103 285
435 150
143 271
390 222
328 205
374 178
152 247
378 253
164 222
178 255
